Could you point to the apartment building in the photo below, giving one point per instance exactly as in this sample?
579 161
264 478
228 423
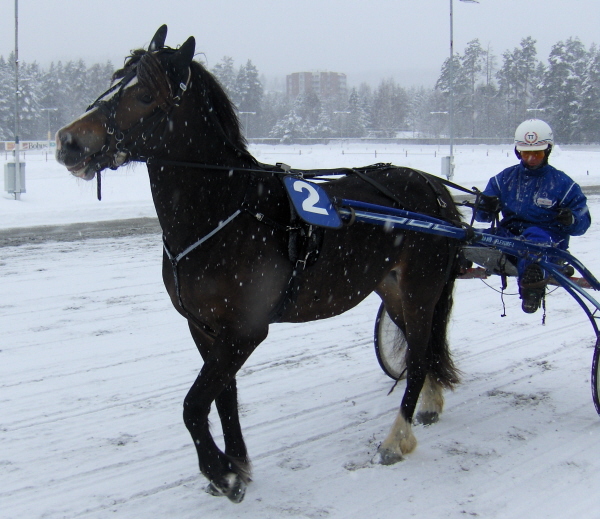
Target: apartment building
325 84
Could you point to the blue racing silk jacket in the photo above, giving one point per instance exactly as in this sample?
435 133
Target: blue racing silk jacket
532 198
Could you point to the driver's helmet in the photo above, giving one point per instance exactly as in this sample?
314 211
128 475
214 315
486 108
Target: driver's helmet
533 135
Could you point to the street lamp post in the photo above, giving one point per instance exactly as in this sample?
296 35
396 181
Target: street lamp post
342 114
247 114
14 172
440 113
451 158
17 115
535 110
48 110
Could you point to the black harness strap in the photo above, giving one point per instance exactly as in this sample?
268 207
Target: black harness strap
382 189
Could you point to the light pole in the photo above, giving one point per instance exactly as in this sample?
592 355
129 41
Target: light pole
451 69
48 110
247 114
14 172
440 113
535 110
17 115
342 114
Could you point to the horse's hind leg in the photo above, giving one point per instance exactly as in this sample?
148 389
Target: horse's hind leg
420 284
401 439
228 473
432 402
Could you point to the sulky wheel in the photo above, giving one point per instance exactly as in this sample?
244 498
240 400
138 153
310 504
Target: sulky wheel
596 376
390 345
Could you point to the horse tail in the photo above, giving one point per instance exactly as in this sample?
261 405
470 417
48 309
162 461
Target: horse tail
442 367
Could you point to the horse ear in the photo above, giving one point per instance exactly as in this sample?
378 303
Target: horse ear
180 61
158 41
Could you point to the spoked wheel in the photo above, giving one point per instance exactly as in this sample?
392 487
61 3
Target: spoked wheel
596 376
390 345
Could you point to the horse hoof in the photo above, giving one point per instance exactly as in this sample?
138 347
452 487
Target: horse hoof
427 417
237 491
386 457
234 488
213 490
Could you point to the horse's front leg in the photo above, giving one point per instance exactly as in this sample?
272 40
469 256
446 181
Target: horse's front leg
235 447
228 473
227 406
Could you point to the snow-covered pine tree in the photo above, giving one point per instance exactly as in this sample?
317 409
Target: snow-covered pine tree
562 89
7 100
471 77
225 73
250 95
515 79
589 119
357 120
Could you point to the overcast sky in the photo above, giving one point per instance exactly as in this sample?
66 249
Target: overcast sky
404 39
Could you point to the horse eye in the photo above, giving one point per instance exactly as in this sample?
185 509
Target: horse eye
146 99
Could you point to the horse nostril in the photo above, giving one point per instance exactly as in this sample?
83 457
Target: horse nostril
68 142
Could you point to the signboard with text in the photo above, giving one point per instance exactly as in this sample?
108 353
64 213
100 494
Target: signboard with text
27 145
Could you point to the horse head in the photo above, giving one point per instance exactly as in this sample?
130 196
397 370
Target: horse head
129 121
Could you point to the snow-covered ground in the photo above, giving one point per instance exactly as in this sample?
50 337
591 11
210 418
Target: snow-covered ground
94 365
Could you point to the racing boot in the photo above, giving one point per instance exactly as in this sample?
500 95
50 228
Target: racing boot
532 288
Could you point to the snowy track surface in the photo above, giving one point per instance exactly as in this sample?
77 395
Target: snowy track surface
95 363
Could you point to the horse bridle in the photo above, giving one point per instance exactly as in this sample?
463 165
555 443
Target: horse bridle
167 101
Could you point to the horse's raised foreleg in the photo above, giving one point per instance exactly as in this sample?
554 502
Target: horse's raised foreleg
228 473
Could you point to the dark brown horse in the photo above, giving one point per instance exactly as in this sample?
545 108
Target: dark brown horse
234 258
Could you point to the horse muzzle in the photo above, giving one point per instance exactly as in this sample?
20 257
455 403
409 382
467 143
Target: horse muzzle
80 158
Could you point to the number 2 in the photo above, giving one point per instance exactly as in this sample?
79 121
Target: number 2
309 205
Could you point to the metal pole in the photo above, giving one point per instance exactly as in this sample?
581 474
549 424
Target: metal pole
48 110
17 117
451 170
535 111
246 114
342 115
451 89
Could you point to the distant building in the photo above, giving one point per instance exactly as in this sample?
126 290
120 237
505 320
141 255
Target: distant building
325 84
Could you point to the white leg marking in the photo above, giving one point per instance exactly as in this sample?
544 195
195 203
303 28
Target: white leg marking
400 440
432 397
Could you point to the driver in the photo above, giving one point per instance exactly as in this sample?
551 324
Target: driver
538 202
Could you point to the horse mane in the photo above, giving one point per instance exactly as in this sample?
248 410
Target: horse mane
210 94
224 109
